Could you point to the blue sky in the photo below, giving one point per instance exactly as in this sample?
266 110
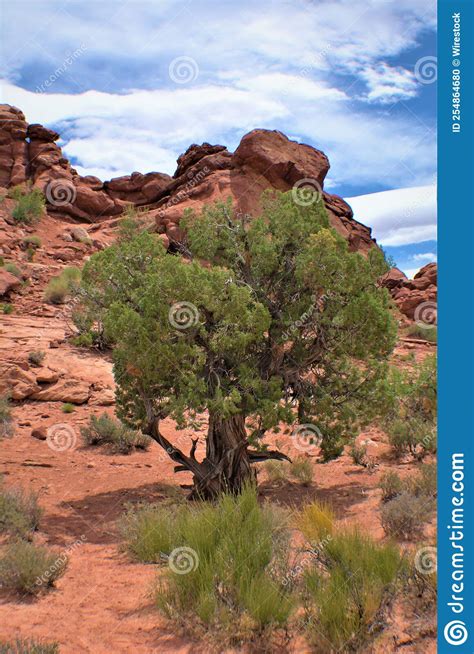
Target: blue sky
130 84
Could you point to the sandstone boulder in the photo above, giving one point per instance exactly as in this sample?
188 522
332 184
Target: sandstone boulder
8 282
65 390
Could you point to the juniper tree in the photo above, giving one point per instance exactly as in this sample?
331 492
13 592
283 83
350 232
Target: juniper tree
263 322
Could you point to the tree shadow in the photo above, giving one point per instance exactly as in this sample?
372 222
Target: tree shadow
294 496
93 519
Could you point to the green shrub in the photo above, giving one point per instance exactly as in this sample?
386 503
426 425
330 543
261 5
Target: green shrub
425 483
29 205
316 521
19 512
346 593
29 569
36 357
67 407
410 421
14 270
406 515
302 470
7 309
358 454
33 241
226 562
28 646
391 485
83 340
62 286
6 419
120 439
276 470
423 333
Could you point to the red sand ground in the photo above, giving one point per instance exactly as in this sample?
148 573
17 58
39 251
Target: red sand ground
103 603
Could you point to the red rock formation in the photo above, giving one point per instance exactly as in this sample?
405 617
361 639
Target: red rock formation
263 160
205 173
409 294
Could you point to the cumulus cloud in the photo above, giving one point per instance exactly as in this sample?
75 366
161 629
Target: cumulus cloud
400 216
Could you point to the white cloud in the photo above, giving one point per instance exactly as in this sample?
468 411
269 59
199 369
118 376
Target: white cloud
425 256
147 130
400 216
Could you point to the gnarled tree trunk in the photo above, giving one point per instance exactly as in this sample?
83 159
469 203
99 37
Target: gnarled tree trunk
227 465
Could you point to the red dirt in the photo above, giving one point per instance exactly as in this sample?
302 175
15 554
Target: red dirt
103 603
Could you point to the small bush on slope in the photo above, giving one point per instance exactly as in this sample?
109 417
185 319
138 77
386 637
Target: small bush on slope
62 286
30 570
19 512
6 420
104 430
29 205
226 563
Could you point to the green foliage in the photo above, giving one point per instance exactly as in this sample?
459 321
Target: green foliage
33 241
36 357
120 439
316 521
406 514
359 454
276 470
28 646
64 285
423 333
246 349
19 512
83 340
67 407
391 485
132 223
6 418
236 558
425 483
7 308
29 205
29 569
346 593
409 502
410 419
302 470
14 270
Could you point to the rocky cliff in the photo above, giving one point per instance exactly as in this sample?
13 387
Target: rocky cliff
205 173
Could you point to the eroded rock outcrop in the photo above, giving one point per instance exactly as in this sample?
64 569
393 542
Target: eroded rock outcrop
263 160
410 294
205 173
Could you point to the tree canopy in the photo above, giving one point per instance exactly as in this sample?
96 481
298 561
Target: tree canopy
264 321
